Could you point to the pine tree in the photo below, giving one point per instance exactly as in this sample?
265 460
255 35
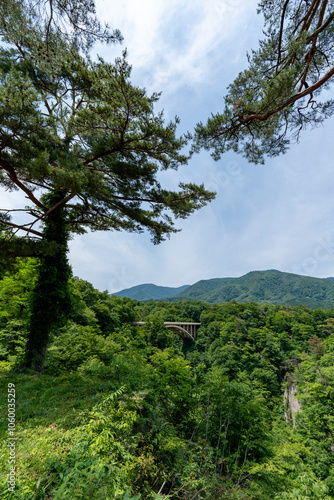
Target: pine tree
277 96
82 143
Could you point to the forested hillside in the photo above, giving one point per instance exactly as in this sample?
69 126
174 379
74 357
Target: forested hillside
263 287
122 411
149 291
266 287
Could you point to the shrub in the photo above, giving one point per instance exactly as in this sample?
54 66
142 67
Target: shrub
75 345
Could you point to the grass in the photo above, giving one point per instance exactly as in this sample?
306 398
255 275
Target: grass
47 427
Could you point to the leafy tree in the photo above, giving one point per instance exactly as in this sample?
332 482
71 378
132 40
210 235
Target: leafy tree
277 96
16 288
82 143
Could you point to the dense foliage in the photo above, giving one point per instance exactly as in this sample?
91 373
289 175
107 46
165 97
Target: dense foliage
123 411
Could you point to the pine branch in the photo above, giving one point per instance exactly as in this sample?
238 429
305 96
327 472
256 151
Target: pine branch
329 19
22 227
291 100
13 177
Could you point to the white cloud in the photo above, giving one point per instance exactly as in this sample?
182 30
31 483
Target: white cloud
177 43
109 260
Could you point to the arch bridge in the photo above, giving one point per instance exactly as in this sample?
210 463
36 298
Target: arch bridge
185 329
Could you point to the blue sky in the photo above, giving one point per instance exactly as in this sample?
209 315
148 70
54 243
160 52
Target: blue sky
273 216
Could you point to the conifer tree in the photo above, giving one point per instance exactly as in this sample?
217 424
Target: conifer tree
82 143
278 95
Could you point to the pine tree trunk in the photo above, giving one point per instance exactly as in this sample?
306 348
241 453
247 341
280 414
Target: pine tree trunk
51 302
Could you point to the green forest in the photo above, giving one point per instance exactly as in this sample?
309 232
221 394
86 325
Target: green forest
128 412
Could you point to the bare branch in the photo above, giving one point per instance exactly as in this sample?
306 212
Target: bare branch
49 24
22 227
280 35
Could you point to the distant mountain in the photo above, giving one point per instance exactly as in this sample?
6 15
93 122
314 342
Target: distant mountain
204 288
263 287
273 287
149 291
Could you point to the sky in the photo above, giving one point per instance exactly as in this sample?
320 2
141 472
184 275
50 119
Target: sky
273 216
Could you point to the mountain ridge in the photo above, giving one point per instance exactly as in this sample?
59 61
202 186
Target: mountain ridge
270 287
149 291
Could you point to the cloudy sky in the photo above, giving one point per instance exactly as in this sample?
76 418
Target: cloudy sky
273 216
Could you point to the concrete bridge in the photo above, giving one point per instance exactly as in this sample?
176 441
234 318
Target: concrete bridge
182 328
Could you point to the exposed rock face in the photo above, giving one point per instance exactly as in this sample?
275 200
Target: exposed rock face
291 403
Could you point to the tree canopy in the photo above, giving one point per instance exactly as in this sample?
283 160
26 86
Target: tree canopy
278 95
80 128
73 20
